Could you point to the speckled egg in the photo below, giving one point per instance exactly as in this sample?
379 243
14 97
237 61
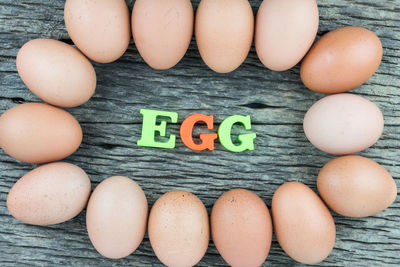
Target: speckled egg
50 194
241 228
179 229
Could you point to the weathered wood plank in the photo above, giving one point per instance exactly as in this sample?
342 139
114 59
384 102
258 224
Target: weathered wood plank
276 102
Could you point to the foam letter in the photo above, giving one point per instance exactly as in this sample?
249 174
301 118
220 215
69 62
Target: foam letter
150 127
246 140
206 138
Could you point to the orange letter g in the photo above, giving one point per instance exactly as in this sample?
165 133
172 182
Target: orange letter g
206 138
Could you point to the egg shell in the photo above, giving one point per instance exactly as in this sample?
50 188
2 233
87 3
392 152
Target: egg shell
162 31
241 228
343 124
50 194
179 229
39 133
224 32
341 60
116 217
303 225
99 28
56 72
356 186
285 31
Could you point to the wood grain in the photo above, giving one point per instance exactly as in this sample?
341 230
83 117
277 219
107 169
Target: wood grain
275 101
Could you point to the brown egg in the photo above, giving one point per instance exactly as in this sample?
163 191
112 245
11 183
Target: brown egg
56 72
355 186
116 217
39 133
179 229
99 28
50 194
341 60
241 228
162 30
224 33
285 31
303 225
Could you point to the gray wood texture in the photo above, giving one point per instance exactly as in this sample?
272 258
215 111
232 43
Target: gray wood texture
275 101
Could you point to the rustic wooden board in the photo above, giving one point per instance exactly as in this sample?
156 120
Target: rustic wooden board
276 102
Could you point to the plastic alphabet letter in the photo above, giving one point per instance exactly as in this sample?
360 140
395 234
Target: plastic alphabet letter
150 127
206 138
246 140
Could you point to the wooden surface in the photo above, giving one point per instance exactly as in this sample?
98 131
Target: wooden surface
275 101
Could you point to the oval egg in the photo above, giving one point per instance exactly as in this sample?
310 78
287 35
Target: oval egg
162 31
56 72
179 229
241 228
356 186
341 60
224 33
303 225
39 133
343 124
116 217
99 28
285 31
50 194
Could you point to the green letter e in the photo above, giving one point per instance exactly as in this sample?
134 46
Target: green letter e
150 127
